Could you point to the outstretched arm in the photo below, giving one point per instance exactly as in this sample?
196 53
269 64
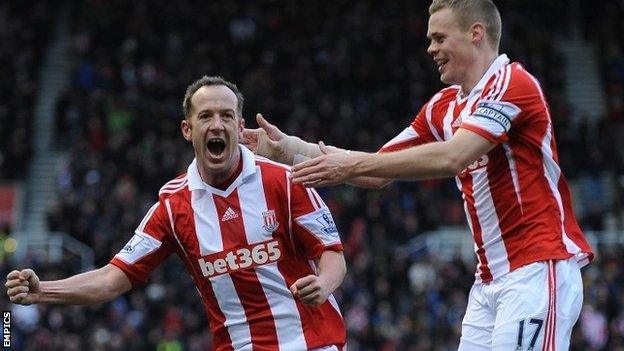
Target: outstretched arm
93 287
270 142
432 160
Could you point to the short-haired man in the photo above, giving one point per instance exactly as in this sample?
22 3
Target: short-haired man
264 253
491 129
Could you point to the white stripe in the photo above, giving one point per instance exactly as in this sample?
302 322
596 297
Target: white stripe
318 197
409 133
552 173
190 263
514 173
210 241
315 204
283 307
230 304
147 217
334 303
506 84
434 99
206 223
171 190
447 120
175 181
281 165
494 85
493 243
499 83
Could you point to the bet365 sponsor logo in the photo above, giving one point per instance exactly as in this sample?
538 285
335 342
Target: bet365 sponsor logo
240 258
478 164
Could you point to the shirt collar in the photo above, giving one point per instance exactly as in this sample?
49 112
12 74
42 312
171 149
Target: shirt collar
196 183
498 63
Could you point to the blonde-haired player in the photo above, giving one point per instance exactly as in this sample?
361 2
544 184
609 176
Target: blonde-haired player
491 129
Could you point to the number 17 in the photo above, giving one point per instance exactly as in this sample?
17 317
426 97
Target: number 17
539 323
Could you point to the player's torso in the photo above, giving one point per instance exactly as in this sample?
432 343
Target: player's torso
509 202
236 245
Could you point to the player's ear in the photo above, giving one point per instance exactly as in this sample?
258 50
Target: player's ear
477 33
241 127
186 128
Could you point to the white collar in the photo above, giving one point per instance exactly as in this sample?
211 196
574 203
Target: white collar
498 63
196 183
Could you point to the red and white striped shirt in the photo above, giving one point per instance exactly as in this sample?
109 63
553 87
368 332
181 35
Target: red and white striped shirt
516 200
244 247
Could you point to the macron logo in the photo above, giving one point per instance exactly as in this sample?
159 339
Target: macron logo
229 214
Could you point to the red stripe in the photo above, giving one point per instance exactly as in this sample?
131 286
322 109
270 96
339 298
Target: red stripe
554 322
549 342
190 247
485 275
321 325
506 205
248 287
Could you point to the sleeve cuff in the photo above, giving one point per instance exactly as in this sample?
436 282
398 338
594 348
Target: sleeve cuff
132 276
482 132
318 252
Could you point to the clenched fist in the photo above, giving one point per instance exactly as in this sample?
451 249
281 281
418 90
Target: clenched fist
23 287
311 290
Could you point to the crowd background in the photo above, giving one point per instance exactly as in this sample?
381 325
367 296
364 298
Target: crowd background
351 73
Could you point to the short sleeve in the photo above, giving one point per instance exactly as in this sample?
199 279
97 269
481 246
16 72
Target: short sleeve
313 225
504 105
149 246
416 133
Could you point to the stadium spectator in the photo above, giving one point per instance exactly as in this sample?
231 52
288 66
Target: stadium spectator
245 234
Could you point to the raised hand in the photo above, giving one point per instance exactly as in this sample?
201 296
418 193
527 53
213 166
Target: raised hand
23 287
265 141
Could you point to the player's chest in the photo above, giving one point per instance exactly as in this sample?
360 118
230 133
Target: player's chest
446 118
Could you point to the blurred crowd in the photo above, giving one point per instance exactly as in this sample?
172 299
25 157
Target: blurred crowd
351 73
24 29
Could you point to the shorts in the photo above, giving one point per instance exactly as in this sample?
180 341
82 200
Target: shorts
531 308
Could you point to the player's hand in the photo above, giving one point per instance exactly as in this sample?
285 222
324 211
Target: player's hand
264 141
311 290
23 287
331 168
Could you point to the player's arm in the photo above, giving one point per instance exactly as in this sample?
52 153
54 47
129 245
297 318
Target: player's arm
270 142
431 160
315 289
93 287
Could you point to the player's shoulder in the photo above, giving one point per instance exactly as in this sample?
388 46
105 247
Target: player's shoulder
438 101
174 186
266 164
513 78
446 95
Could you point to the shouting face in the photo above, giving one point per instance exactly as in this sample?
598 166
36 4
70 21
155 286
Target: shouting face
214 127
451 47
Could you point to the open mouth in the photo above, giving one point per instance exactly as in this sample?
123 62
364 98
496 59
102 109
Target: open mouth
441 63
216 146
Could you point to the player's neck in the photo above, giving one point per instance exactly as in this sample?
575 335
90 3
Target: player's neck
221 180
475 74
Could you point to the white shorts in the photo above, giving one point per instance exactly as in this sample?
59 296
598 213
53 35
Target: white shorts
531 308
